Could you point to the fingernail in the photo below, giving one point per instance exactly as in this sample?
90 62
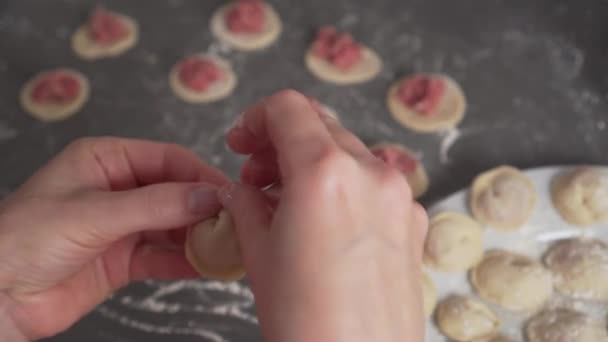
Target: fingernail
226 193
203 199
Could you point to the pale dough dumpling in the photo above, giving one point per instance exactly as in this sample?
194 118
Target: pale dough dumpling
213 249
503 198
565 325
202 78
464 319
454 242
404 160
513 281
429 295
581 195
496 338
255 24
426 102
580 268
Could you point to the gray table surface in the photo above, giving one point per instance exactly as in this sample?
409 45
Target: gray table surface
535 74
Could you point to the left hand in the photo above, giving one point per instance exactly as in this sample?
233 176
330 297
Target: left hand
101 214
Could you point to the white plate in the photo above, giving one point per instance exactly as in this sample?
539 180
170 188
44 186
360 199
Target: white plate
545 227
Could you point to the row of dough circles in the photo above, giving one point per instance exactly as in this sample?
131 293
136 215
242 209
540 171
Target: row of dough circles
504 199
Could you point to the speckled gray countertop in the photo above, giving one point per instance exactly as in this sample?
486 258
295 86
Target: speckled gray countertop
535 74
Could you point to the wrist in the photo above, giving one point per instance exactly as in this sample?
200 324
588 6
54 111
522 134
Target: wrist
8 326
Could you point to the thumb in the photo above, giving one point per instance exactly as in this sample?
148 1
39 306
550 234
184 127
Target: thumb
251 214
154 207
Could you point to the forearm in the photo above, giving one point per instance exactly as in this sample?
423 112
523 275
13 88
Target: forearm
8 327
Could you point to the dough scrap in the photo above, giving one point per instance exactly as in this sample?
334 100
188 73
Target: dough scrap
216 91
580 268
88 49
213 249
366 69
450 110
429 295
418 180
513 281
454 242
463 318
54 112
564 325
247 41
503 198
581 195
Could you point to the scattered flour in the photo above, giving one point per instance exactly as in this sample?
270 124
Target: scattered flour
449 138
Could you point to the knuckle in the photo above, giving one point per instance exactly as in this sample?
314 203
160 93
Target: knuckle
394 182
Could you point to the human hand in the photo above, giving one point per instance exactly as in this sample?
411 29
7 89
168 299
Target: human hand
103 213
339 257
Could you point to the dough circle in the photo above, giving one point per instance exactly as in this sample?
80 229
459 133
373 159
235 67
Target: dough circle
503 198
454 242
449 113
367 68
418 180
213 249
564 325
429 295
216 91
580 268
495 338
247 41
464 319
513 281
88 49
581 195
54 112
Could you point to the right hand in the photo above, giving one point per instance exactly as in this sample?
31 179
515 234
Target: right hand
339 257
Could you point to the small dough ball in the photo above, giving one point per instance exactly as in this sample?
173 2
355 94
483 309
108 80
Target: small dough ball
202 78
565 325
496 338
429 295
463 318
580 268
246 25
404 160
106 34
503 198
454 242
581 196
513 281
426 102
337 58
213 249
55 95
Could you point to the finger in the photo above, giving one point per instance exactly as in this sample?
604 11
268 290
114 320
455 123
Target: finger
111 215
345 138
150 261
286 121
261 169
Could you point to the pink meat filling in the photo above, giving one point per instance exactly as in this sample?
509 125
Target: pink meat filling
397 158
339 49
246 16
56 87
422 93
105 27
198 73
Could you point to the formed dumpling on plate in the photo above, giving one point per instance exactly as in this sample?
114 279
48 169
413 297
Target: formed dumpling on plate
454 242
580 268
429 295
463 318
503 198
565 325
513 281
581 195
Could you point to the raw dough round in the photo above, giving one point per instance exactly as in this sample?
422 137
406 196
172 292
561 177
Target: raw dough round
581 196
367 68
216 91
54 112
580 268
454 242
565 325
496 338
463 319
418 179
87 48
512 281
247 41
449 112
213 249
429 295
503 198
